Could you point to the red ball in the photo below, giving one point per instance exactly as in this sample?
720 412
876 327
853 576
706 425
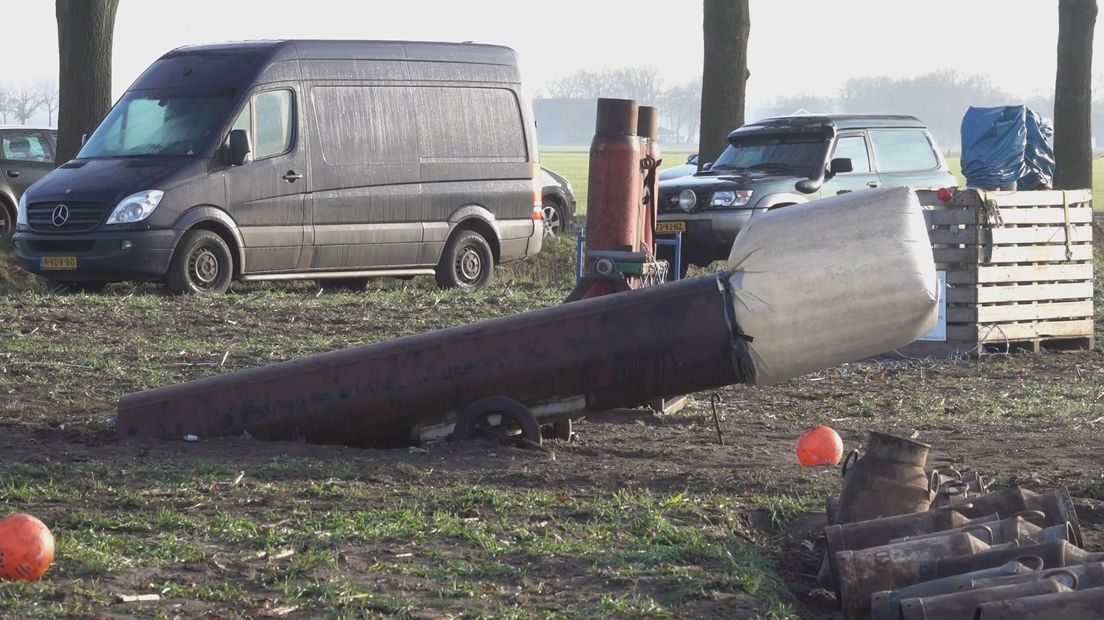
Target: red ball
820 445
26 547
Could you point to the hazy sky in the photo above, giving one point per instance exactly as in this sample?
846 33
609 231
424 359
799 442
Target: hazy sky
797 46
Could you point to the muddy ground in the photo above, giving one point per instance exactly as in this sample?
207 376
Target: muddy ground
666 456
642 515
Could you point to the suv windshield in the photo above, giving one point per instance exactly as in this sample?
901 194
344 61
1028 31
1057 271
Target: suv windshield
152 123
788 152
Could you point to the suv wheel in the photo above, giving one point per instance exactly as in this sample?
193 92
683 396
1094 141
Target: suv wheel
554 220
7 221
201 264
467 262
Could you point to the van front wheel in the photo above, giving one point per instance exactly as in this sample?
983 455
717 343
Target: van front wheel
201 265
466 263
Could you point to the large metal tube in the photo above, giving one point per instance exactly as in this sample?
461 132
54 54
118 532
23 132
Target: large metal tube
1079 605
615 350
615 184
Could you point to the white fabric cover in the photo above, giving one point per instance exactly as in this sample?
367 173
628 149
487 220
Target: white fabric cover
833 281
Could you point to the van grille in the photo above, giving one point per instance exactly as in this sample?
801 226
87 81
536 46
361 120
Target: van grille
80 216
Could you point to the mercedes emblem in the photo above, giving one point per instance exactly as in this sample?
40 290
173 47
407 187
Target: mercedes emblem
61 215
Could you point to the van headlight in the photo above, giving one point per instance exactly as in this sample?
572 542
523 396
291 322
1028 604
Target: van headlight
136 207
21 212
733 198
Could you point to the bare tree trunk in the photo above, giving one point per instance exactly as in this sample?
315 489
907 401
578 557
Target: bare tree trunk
726 27
1073 95
85 29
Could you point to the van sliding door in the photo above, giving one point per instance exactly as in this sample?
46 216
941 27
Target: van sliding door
368 199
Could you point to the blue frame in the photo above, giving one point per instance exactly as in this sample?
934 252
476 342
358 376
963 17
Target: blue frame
580 242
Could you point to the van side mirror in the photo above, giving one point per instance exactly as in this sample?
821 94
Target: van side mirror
840 164
241 149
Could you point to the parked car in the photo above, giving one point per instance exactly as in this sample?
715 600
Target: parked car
794 159
26 155
674 172
281 160
557 202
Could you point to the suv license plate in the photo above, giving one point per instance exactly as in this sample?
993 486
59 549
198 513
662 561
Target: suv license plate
670 227
59 262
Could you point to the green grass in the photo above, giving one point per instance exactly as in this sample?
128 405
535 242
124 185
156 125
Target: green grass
468 546
573 163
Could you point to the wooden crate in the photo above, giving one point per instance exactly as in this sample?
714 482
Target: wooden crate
1019 269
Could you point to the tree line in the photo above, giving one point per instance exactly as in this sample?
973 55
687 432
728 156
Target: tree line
19 103
939 98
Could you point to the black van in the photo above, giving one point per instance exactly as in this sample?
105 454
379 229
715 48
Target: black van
275 160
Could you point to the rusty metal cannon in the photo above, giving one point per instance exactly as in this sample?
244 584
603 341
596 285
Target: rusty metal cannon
808 287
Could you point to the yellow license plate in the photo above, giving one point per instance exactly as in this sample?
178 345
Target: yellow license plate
670 227
59 262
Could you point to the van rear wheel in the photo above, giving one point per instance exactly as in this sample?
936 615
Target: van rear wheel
467 262
201 265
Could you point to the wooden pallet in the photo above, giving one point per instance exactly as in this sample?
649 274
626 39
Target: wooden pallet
1018 267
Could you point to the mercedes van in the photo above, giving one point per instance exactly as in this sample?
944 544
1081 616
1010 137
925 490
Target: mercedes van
278 160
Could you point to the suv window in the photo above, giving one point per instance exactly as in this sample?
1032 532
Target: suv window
24 146
853 147
772 152
902 150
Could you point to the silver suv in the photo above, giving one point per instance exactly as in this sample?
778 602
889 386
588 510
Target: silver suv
789 160
26 155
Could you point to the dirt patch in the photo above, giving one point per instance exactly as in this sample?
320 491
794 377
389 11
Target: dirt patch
643 515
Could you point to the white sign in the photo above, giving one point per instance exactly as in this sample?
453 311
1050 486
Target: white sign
939 333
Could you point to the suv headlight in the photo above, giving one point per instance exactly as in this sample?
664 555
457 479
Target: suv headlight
21 212
136 207
687 199
733 198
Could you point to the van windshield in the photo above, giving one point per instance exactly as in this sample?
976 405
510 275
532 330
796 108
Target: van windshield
772 153
152 123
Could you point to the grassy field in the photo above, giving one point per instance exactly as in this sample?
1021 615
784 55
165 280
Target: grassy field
641 516
574 163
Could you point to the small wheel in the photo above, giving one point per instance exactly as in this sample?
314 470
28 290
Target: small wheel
561 429
7 221
63 286
467 262
355 285
499 419
554 221
200 265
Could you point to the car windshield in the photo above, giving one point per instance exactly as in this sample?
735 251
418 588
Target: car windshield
148 123
771 153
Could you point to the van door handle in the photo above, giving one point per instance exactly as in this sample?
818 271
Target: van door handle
292 176
872 184
13 174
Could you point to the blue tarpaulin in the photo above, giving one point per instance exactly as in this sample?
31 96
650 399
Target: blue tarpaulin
1006 147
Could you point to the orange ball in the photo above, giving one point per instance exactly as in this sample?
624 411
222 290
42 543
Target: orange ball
26 547
820 445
